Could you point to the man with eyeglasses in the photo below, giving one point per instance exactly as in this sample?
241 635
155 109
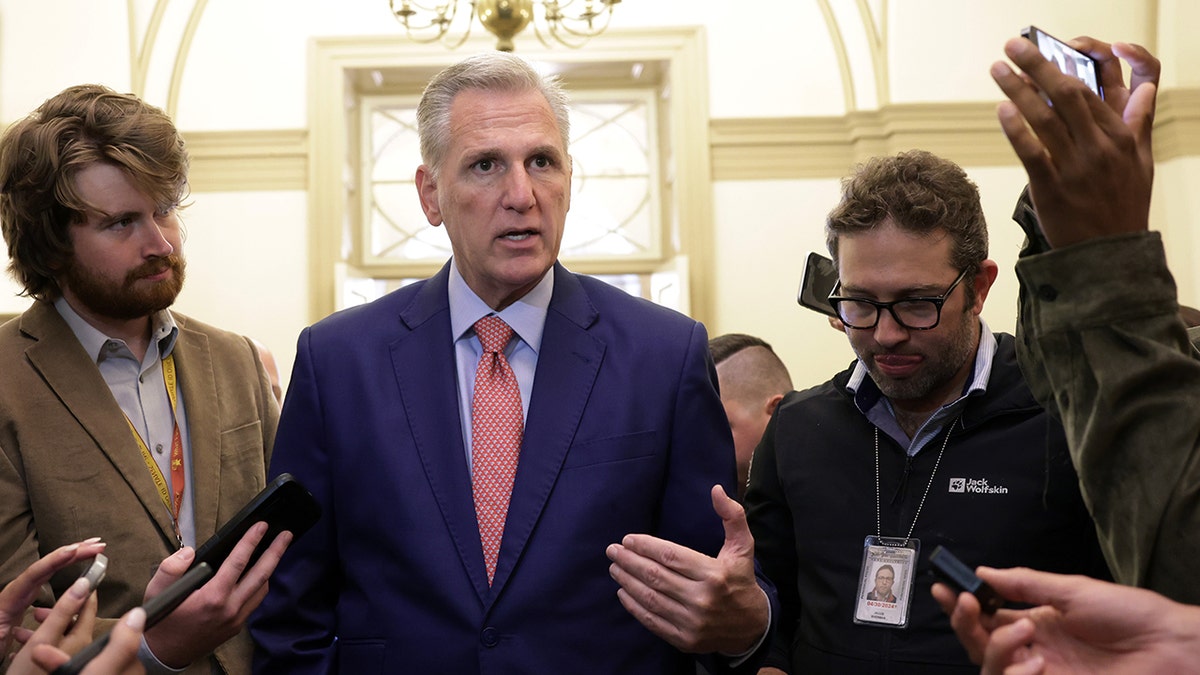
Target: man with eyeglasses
931 437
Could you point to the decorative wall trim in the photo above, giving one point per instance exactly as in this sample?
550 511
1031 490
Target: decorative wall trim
968 133
225 161
1177 125
742 149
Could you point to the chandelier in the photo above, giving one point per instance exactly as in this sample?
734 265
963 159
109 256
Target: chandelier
504 18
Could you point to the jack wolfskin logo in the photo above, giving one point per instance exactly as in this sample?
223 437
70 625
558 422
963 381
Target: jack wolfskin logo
978 486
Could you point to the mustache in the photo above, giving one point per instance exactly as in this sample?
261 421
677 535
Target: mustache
153 266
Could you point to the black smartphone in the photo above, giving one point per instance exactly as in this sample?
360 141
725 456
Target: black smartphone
817 283
157 609
283 505
958 576
1068 59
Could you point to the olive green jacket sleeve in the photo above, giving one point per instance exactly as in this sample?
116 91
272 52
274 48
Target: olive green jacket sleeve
1102 345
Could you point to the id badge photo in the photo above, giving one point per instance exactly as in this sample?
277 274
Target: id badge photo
886 580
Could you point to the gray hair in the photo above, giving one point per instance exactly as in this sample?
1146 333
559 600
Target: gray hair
490 71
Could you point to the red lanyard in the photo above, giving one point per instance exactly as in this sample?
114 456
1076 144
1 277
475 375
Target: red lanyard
172 496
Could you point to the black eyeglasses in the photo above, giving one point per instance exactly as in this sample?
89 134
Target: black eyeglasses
921 313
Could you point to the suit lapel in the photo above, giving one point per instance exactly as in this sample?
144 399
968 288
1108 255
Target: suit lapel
198 383
424 363
73 376
566 372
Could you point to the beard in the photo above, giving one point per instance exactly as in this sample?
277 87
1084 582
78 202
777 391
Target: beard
939 367
126 300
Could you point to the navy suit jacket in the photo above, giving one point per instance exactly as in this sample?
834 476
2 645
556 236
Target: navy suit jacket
625 434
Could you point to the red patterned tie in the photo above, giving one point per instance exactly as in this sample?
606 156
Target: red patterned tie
497 426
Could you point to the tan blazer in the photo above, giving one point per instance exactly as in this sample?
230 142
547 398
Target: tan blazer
70 468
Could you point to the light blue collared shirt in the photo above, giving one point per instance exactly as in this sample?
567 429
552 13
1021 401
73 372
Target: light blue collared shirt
527 318
878 409
140 392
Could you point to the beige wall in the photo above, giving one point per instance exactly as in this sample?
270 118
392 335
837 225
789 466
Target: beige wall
236 76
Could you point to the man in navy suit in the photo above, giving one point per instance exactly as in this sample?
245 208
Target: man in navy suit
611 558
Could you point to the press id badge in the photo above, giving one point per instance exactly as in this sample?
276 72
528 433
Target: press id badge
885 582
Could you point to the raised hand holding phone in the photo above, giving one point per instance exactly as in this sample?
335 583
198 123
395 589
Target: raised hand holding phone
1089 161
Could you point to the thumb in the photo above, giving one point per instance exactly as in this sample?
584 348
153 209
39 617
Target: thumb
738 540
170 569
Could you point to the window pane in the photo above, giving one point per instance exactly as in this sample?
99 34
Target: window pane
614 207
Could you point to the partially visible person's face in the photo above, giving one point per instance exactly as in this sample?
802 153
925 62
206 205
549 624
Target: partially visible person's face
917 369
884 579
127 260
747 426
502 191
746 422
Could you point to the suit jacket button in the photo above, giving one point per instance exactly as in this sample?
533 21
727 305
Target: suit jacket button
490 637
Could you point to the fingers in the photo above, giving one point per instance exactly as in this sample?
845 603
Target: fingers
650 589
694 602
945 598
61 557
1023 585
47 657
662 618
1070 112
1145 68
170 570
1028 146
21 591
233 566
644 556
57 623
650 571
1108 67
252 587
1007 647
80 633
655 577
1064 591
1060 591
64 612
120 655
964 612
738 540
1034 665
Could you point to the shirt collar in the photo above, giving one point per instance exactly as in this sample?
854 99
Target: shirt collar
164 332
526 316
